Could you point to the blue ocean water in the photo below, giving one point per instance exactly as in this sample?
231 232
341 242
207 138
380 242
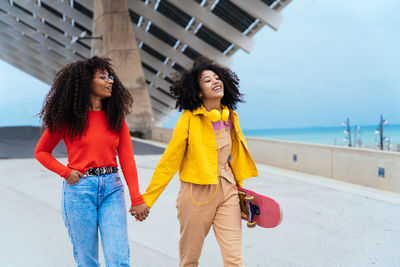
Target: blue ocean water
329 135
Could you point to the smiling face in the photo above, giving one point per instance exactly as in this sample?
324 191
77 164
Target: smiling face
101 84
212 88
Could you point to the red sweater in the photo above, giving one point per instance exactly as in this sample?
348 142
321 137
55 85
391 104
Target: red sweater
97 147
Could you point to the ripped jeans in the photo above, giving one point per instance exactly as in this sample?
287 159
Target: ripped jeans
97 203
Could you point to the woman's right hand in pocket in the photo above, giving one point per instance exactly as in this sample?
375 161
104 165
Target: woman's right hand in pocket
74 177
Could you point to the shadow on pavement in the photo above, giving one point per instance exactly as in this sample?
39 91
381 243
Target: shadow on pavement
20 142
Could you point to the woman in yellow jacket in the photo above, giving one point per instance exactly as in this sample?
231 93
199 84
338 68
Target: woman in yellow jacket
209 149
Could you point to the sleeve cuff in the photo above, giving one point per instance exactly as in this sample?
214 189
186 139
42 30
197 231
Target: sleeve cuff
66 173
137 200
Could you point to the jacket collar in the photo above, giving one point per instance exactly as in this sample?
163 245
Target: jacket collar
200 110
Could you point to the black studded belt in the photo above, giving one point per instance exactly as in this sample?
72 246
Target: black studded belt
101 171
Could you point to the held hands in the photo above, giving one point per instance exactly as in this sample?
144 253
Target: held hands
140 211
74 177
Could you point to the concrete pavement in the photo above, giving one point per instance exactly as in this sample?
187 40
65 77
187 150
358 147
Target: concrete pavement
326 223
321 227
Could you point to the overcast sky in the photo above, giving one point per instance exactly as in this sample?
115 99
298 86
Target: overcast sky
329 60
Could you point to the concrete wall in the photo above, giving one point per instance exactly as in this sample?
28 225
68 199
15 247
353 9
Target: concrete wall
354 165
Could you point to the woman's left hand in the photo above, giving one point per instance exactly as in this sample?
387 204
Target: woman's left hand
140 211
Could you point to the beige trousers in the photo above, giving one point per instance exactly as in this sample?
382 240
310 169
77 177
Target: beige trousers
222 213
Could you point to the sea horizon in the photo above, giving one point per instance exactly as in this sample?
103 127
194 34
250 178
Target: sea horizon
325 135
330 135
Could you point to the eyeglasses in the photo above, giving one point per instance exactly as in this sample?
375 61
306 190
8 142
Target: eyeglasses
105 77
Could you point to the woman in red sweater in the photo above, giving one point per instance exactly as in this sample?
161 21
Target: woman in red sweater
86 107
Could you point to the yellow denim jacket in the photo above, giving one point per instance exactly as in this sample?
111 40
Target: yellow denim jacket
192 150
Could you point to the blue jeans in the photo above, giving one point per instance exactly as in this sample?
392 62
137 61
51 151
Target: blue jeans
97 202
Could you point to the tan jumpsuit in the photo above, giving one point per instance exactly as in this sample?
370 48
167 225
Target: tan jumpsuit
222 212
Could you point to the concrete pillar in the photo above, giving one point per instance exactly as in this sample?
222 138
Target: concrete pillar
112 22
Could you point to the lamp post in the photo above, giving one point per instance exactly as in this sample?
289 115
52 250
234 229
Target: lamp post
379 130
347 132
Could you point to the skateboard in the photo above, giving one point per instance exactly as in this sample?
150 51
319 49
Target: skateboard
259 210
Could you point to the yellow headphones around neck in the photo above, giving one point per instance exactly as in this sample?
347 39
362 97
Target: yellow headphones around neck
214 115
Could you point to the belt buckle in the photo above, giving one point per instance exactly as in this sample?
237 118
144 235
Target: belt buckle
97 171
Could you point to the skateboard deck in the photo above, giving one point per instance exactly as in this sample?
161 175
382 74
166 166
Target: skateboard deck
259 210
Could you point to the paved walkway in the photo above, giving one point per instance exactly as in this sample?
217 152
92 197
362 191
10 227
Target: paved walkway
20 142
326 223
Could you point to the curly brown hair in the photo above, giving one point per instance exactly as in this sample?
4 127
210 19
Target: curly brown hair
67 104
186 87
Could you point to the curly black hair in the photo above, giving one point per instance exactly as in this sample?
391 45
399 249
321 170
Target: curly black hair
68 102
186 87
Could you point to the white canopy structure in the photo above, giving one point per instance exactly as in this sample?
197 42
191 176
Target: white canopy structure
40 36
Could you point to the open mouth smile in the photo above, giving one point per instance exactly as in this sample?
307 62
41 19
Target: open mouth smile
216 88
